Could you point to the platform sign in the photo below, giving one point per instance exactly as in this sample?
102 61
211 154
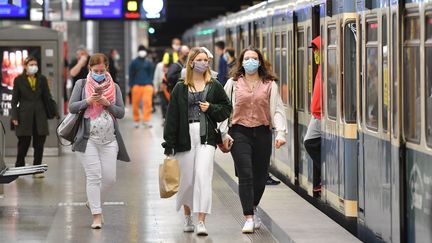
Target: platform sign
101 9
14 9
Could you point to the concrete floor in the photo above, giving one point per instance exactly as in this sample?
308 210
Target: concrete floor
53 209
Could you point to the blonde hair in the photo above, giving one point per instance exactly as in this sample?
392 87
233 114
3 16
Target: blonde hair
194 52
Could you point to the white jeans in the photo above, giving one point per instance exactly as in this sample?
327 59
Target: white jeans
196 173
99 163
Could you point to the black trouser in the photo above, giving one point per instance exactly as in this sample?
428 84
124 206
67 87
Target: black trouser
251 153
164 103
313 147
24 144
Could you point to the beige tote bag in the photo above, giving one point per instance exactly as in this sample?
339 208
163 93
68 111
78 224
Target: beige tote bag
169 177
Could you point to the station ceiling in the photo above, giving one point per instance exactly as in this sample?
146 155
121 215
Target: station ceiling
183 14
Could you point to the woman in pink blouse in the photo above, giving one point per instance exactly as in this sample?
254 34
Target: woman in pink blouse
257 108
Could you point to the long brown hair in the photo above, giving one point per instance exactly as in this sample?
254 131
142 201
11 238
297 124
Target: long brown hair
193 53
264 70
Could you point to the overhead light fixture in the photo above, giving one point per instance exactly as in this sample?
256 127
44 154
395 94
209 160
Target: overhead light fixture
152 8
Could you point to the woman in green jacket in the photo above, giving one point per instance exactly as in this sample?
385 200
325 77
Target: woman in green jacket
197 103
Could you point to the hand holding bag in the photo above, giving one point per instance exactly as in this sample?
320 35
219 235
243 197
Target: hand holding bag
169 177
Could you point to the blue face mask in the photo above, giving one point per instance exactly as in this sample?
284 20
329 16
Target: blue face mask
250 65
98 77
225 57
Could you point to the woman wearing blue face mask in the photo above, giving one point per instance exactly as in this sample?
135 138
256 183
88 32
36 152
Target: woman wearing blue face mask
257 108
29 118
197 103
98 139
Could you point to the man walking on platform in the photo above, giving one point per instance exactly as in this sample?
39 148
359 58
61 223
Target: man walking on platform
141 83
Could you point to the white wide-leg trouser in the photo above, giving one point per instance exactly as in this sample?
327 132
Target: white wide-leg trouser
196 174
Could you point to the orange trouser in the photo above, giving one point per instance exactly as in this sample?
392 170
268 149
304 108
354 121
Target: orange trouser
144 93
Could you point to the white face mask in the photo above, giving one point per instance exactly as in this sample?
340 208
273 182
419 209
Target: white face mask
116 57
175 47
142 54
32 69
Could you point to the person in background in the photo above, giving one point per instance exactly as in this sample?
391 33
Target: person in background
98 140
174 71
257 108
229 57
222 67
141 73
158 77
171 56
28 112
114 58
78 67
312 140
197 103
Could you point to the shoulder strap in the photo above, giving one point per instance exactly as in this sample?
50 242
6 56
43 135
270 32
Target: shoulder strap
206 89
83 88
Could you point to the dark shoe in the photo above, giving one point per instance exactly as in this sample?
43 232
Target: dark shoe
270 181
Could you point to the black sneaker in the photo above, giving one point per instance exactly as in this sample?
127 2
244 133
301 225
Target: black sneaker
271 181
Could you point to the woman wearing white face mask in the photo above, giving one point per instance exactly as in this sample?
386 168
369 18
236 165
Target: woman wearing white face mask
257 107
30 118
196 105
98 139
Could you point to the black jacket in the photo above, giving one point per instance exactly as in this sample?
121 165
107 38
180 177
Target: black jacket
31 105
176 130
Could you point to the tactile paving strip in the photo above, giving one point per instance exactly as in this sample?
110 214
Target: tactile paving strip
232 202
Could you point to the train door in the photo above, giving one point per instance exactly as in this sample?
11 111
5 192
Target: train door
229 38
290 100
417 120
397 173
374 137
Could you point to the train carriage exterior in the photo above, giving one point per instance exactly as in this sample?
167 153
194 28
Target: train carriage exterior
376 62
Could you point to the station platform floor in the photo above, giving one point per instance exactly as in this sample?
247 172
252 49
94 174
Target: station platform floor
53 209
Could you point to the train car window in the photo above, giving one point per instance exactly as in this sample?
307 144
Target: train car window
277 57
372 31
371 76
429 80
395 111
332 36
301 78
385 76
412 29
331 74
264 46
309 70
290 69
411 80
350 72
256 36
284 68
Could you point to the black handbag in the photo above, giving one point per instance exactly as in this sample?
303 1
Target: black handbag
51 108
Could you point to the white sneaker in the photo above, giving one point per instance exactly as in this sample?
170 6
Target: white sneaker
147 125
188 225
137 125
248 227
201 229
257 220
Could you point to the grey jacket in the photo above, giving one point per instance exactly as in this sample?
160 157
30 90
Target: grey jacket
77 103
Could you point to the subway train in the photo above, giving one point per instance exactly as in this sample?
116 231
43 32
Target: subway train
376 62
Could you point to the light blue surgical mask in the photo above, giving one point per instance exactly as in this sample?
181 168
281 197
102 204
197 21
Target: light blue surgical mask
225 57
98 77
250 65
